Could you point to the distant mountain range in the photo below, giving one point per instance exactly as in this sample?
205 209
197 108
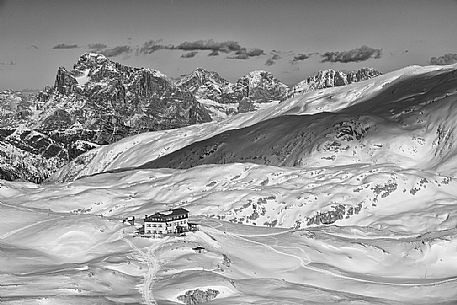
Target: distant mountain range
99 102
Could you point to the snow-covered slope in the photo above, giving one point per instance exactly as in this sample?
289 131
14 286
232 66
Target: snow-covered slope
410 123
395 230
374 223
137 150
360 194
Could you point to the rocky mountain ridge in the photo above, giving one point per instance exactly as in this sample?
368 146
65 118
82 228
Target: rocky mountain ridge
100 101
117 100
410 122
332 78
259 87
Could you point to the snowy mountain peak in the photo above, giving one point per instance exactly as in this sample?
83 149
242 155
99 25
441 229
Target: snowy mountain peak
209 85
92 59
256 77
261 86
332 78
201 76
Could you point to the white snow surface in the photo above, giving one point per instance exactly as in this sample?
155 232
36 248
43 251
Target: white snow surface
83 78
393 238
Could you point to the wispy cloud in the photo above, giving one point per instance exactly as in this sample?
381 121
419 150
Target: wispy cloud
255 52
116 51
300 57
151 46
239 56
210 44
246 54
272 60
7 63
189 54
213 53
446 59
64 46
97 46
269 62
215 47
355 55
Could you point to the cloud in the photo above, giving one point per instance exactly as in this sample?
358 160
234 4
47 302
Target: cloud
355 55
270 62
33 47
250 53
300 57
189 54
97 46
225 46
63 46
214 53
151 46
239 56
8 63
116 51
446 59
255 52
245 54
202 45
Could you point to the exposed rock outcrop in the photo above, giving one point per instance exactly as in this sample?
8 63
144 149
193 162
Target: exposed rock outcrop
262 87
197 296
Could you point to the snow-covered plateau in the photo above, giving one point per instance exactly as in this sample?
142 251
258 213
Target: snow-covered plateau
343 195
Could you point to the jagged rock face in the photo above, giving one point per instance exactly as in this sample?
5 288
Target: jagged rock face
100 102
262 87
116 100
362 74
251 89
210 85
198 296
31 155
16 107
65 83
331 78
97 102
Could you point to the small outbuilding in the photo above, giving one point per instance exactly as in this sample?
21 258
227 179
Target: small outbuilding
192 226
199 249
129 220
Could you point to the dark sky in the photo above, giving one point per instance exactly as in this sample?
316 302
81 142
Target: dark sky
395 33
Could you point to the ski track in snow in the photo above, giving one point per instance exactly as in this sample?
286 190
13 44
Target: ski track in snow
305 264
12 232
153 266
8 234
21 208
